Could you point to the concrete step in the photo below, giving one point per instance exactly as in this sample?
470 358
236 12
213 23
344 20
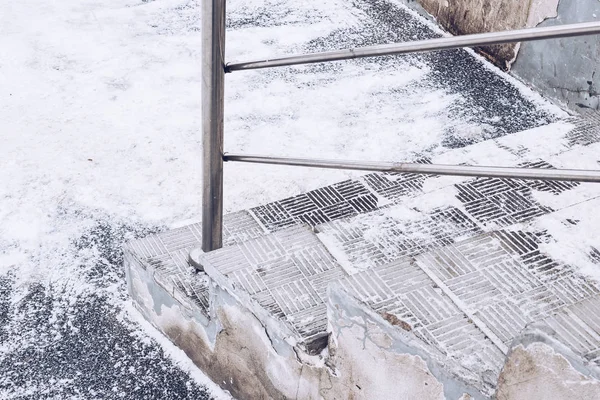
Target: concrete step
286 273
377 190
467 299
457 267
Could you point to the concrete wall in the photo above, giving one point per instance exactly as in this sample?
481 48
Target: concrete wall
375 360
564 70
474 16
567 70
233 346
539 372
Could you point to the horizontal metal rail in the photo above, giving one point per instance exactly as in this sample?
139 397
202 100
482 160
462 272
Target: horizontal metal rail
444 43
569 175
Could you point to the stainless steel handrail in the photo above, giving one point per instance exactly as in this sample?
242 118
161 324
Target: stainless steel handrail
444 43
214 68
573 175
213 100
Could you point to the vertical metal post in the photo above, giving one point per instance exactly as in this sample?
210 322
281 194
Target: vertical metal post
213 93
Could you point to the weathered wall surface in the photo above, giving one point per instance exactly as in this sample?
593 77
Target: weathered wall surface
565 69
543 370
474 16
232 346
375 360
462 17
255 358
562 69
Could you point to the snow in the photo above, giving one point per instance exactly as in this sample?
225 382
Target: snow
337 251
100 105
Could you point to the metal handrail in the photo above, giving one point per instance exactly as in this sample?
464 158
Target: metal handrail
213 81
427 169
213 108
444 43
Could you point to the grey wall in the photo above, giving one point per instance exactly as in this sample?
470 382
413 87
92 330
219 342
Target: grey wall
567 70
564 70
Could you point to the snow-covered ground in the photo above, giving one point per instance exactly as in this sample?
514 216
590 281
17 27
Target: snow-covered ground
100 142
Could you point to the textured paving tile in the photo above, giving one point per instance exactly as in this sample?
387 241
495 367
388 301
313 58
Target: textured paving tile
506 290
403 294
463 279
584 318
475 296
393 186
340 200
168 253
287 273
463 290
380 238
587 130
501 201
554 187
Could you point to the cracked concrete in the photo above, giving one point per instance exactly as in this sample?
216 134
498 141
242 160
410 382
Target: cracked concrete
234 347
249 355
565 69
368 355
377 360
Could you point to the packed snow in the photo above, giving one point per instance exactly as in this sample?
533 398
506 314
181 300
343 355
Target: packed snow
101 142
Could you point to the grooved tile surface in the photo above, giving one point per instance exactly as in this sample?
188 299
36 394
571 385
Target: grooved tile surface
466 277
393 238
287 272
168 253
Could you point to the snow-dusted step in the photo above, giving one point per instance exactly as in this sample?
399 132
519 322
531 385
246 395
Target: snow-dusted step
571 239
463 291
457 268
449 209
462 207
167 253
471 299
536 148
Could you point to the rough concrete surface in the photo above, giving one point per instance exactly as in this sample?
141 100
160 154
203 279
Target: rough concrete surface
375 359
249 356
475 16
537 371
462 17
565 69
232 347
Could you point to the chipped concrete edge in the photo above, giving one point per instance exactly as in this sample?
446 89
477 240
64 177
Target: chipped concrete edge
539 367
345 311
232 346
281 334
538 333
252 355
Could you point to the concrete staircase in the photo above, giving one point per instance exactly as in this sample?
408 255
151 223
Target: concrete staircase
447 276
